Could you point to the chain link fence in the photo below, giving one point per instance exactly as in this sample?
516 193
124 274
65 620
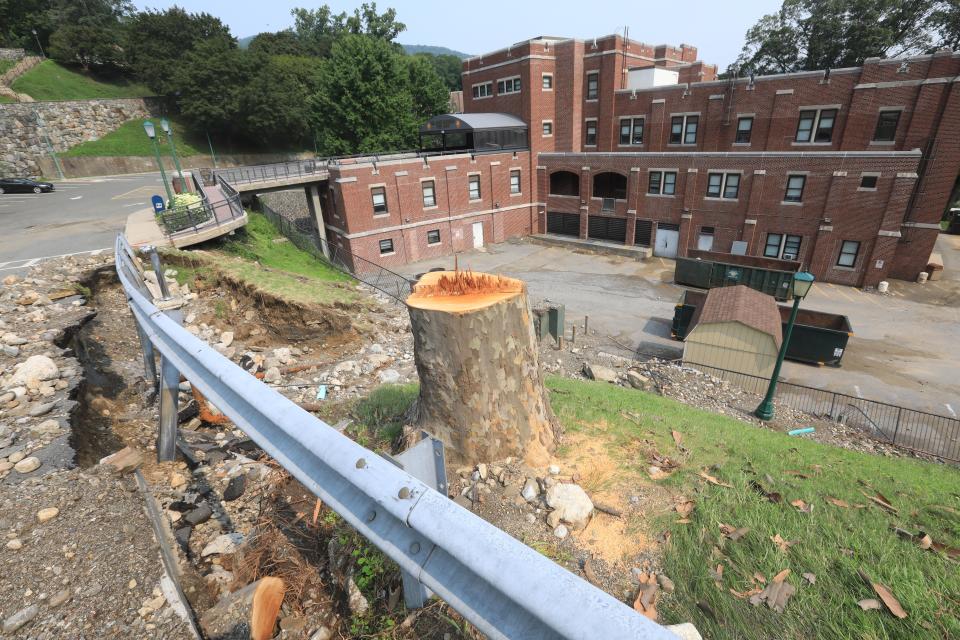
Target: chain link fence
919 431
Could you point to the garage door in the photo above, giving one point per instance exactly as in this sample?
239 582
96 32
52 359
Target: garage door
567 224
603 228
642 233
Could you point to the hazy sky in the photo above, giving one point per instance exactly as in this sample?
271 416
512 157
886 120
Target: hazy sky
716 28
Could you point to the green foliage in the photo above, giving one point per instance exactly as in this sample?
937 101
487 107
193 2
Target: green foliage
448 67
50 81
831 542
211 80
434 50
275 104
430 95
823 34
89 46
279 43
156 42
382 413
185 200
371 565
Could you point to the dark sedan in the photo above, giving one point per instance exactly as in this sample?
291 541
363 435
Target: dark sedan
24 185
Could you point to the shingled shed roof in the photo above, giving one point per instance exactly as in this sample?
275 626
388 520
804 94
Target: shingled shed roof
744 305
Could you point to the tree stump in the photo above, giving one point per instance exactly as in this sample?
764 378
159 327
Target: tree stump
481 388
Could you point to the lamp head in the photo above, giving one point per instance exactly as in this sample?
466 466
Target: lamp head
165 125
802 282
150 129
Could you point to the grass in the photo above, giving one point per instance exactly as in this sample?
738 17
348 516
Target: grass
831 542
50 81
129 139
258 255
6 65
5 99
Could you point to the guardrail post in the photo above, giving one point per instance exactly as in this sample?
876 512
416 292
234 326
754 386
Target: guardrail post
425 462
169 395
157 269
149 361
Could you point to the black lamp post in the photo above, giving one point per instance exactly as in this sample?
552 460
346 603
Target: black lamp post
40 46
165 125
802 282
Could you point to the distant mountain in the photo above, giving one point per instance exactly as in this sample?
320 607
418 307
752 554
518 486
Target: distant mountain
437 51
243 43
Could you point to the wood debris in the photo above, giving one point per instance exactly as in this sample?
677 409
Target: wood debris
733 533
646 600
880 500
684 507
777 592
837 502
709 478
886 596
802 506
783 545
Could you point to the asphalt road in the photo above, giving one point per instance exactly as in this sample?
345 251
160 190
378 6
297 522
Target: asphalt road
82 215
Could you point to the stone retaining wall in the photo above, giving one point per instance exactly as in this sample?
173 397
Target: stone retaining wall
23 126
12 54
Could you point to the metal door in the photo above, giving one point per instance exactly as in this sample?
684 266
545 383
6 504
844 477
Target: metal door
668 238
567 224
607 228
477 235
705 242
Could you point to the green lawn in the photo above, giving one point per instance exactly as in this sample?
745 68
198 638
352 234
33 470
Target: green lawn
258 255
4 98
831 542
50 81
6 65
130 140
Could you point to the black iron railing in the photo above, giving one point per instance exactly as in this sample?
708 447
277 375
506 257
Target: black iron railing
912 429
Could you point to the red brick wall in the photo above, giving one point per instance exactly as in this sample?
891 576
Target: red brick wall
834 207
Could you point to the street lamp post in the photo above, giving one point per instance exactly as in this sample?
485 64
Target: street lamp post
165 125
40 46
801 287
152 134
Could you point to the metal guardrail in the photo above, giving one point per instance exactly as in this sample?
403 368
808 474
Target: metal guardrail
501 586
274 172
389 282
919 431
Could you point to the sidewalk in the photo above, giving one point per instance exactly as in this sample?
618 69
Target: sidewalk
142 229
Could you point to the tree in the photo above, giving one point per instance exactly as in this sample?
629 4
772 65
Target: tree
211 81
945 20
275 103
19 21
823 34
156 42
89 46
430 96
448 67
280 43
363 103
317 29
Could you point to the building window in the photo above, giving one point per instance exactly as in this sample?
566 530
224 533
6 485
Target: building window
723 185
429 194
386 246
515 181
683 129
433 236
795 186
609 185
508 85
662 183
785 247
631 131
547 128
564 183
744 129
483 90
887 123
816 125
848 253
473 183
547 81
868 182
379 197
593 85
590 135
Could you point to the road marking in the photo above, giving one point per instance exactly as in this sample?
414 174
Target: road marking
841 292
137 193
857 389
950 409
24 263
76 197
135 204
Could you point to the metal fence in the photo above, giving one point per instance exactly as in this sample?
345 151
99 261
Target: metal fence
203 214
501 586
301 232
919 431
316 168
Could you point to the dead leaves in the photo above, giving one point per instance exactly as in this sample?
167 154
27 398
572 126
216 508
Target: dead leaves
925 542
837 502
869 604
772 496
646 601
776 593
802 506
810 577
881 500
684 508
709 478
783 545
886 596
733 533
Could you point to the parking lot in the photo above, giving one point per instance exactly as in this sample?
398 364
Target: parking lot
905 349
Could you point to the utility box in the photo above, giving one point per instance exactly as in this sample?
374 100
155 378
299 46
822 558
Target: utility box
548 321
557 317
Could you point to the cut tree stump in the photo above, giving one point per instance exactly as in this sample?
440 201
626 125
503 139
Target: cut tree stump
481 388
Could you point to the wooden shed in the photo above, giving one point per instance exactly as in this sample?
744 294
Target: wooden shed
738 329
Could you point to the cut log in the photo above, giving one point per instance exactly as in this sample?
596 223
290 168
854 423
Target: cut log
481 388
250 613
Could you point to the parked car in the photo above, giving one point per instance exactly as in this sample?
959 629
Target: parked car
24 185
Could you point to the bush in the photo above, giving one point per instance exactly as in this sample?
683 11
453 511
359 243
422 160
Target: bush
185 200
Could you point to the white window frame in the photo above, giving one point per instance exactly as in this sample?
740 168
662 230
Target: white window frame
683 129
725 175
803 188
736 132
386 206
633 130
663 182
393 247
543 123
439 238
519 175
819 109
586 90
488 84
470 177
423 195
856 255
513 80
543 77
782 245
596 131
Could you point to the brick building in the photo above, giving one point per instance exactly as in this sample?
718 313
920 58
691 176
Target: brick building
846 170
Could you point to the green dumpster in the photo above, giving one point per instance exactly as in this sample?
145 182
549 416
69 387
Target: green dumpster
709 269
